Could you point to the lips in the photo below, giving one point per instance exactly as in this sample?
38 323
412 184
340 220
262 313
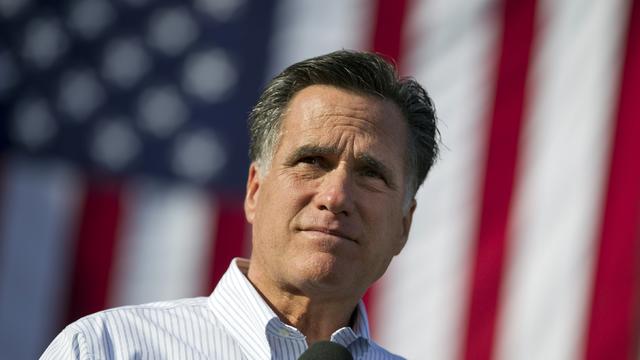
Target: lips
332 232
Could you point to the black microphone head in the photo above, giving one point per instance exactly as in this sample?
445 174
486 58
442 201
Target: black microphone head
326 350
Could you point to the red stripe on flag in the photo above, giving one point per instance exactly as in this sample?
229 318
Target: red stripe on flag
229 237
388 28
612 332
387 40
500 174
97 237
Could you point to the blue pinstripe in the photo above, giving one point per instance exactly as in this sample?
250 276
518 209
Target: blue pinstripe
233 323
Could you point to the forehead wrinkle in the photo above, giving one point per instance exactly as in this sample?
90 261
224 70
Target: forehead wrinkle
359 117
345 143
332 101
344 127
362 124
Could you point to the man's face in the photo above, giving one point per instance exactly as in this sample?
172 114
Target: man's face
328 213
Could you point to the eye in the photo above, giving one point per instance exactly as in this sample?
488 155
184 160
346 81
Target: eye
312 160
316 162
372 173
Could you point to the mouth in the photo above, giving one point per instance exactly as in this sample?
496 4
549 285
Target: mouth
330 232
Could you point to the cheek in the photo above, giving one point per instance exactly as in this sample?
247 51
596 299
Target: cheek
383 214
386 226
295 192
278 205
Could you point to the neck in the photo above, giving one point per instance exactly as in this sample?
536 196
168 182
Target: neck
317 317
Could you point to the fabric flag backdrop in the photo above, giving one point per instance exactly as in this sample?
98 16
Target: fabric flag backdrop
123 160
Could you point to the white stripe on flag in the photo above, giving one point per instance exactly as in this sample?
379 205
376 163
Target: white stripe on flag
453 60
306 28
563 165
38 223
165 244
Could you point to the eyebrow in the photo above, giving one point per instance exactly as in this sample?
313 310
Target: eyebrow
368 160
378 166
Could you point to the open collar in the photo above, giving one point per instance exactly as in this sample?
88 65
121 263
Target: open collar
255 326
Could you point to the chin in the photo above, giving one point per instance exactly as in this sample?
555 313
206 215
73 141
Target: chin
324 270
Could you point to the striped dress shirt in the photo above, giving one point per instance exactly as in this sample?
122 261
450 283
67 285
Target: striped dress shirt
233 323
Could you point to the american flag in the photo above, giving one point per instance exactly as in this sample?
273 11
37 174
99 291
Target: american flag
123 160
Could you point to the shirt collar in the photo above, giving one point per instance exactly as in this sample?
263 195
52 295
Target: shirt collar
247 317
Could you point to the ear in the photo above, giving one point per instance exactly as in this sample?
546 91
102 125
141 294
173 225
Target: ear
253 190
406 226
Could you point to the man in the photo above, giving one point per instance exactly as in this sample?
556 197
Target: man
339 147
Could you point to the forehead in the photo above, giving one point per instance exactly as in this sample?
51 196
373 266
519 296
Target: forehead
338 117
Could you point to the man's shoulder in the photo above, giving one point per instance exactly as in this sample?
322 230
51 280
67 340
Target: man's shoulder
152 328
155 312
188 304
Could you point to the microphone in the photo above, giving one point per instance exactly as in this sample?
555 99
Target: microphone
326 350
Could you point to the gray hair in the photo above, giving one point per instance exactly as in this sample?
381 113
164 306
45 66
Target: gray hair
361 72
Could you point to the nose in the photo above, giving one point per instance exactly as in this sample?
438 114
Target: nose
335 192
